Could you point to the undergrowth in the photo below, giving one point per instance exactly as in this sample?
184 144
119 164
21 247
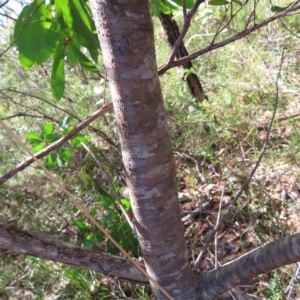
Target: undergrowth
223 135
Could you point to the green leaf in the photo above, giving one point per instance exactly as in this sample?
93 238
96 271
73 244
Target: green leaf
50 42
29 34
34 136
126 203
84 27
51 138
50 160
77 139
275 8
58 73
83 60
64 16
65 156
93 211
38 148
71 56
80 225
218 2
88 239
47 129
159 6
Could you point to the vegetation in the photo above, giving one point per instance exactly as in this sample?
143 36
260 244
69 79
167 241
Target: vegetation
216 145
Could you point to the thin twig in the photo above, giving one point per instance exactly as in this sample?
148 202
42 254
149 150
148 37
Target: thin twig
56 144
110 183
184 30
232 39
246 183
182 154
20 114
97 131
216 226
292 283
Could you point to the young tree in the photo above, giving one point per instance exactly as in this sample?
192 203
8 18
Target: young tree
126 36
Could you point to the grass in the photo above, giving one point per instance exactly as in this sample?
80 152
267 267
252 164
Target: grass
221 133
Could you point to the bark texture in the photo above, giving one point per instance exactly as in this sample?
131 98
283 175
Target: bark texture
172 33
46 247
127 41
258 261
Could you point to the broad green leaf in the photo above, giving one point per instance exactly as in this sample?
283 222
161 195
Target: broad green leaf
34 136
50 42
38 148
218 2
29 34
78 139
83 60
71 56
84 27
275 8
58 73
64 16
51 138
65 156
47 129
50 160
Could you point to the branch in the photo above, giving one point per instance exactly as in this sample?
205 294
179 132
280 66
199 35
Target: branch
258 261
4 3
20 114
45 247
97 131
184 30
58 143
232 39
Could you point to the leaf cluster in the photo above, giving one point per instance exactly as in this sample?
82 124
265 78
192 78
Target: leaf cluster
58 29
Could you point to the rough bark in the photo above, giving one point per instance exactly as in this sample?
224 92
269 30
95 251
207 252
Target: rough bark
258 261
46 247
172 33
214 283
126 36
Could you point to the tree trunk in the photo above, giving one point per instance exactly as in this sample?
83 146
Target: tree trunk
126 36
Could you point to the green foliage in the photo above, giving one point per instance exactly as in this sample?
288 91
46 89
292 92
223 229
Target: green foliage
44 30
113 221
275 291
62 154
